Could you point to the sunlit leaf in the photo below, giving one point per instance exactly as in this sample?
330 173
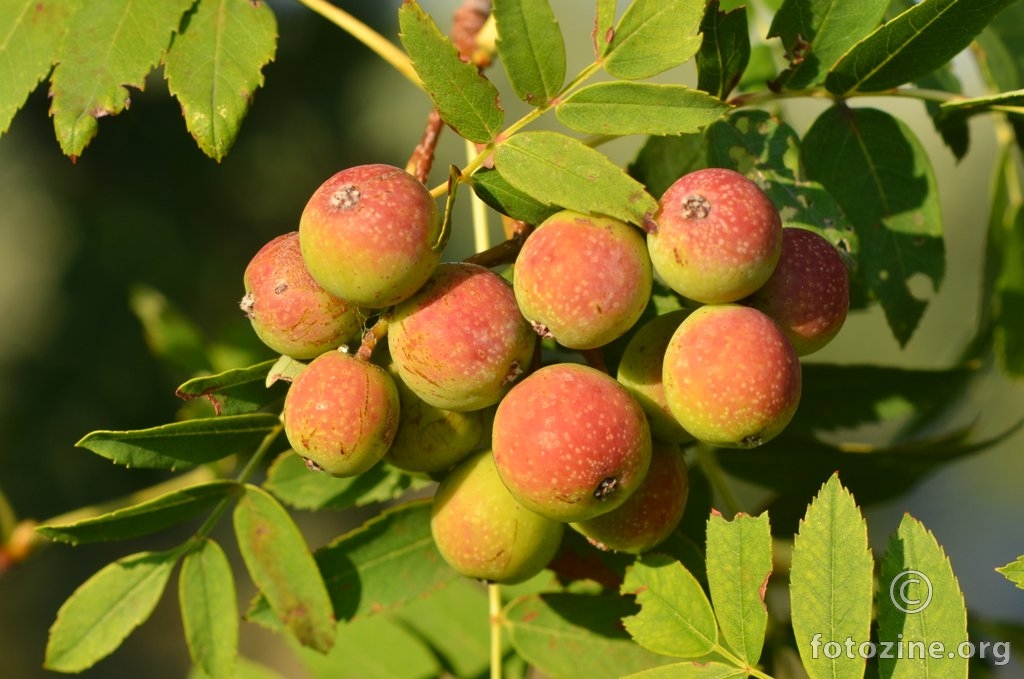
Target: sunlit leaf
564 634
214 67
531 48
881 176
30 32
725 51
653 36
621 108
235 392
920 607
466 100
283 569
604 23
209 609
109 47
831 581
181 445
919 40
739 561
1014 572
691 670
104 610
675 617
816 33
144 518
558 170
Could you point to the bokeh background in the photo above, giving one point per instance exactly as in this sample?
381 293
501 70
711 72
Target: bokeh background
144 207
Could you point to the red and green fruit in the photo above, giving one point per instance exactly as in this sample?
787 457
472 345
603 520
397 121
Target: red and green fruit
717 237
460 342
583 280
570 442
483 532
731 377
290 312
808 295
651 513
369 235
341 413
640 371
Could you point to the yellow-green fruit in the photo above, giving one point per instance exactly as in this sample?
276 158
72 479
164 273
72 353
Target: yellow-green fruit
341 413
640 371
368 235
485 533
651 513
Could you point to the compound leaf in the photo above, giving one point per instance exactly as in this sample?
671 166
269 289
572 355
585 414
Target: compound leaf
283 570
237 391
831 582
214 67
739 561
531 48
816 33
920 608
109 46
294 484
878 172
554 169
466 100
653 36
621 108
675 617
181 445
209 609
29 38
104 610
1014 572
144 518
921 39
575 635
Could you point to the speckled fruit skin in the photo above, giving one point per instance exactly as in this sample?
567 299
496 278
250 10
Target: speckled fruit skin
460 342
651 513
808 295
432 439
341 413
717 236
583 280
640 371
367 235
731 377
570 442
483 532
289 310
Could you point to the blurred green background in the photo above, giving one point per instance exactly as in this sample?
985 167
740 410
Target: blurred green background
143 206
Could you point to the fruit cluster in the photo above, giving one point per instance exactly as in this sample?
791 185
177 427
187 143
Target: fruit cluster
462 392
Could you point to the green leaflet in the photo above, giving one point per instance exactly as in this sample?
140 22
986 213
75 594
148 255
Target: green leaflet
739 561
214 67
893 204
30 35
466 100
209 609
280 564
236 391
831 582
144 518
554 169
109 46
495 190
725 51
105 609
531 48
691 670
181 445
1014 572
621 108
816 33
920 607
653 36
916 42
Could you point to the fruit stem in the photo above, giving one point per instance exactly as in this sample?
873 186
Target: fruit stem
377 43
494 601
716 477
